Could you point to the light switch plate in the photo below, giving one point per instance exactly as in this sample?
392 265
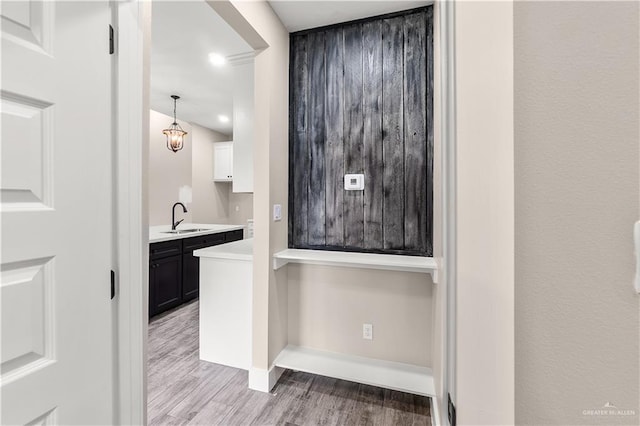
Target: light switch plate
354 182
277 212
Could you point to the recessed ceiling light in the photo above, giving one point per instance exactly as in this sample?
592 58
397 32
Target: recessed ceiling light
217 59
223 118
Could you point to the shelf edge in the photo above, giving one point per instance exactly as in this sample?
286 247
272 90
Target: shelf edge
287 256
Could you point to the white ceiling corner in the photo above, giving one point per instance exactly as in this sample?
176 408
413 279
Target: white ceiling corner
300 15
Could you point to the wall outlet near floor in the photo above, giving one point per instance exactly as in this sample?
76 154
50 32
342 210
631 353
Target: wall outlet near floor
367 331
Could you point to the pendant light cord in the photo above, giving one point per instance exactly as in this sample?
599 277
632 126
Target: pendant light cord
174 110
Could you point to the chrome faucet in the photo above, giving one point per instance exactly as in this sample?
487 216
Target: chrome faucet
174 224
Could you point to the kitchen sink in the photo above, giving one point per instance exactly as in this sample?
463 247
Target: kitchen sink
184 231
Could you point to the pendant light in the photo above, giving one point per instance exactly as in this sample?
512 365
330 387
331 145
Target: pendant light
175 134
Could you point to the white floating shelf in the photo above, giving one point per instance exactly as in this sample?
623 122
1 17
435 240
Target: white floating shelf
392 262
386 374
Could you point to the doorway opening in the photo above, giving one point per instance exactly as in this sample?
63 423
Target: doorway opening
195 201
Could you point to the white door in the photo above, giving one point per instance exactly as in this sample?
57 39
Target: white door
55 209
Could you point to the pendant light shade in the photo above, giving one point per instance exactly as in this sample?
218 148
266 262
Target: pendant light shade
175 134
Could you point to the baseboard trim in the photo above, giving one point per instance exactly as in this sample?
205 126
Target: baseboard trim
264 380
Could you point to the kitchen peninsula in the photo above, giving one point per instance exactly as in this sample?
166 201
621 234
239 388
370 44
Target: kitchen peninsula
226 273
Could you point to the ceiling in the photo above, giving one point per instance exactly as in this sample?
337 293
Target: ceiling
183 34
304 14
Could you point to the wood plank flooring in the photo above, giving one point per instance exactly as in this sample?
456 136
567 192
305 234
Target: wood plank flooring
184 390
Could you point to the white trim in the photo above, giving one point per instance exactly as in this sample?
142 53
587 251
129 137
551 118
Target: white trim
448 134
264 380
390 262
130 215
369 371
435 412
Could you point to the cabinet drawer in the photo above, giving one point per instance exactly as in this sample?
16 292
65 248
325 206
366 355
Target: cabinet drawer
195 243
234 235
164 249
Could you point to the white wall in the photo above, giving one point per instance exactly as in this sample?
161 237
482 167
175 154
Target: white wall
484 384
438 308
327 307
577 196
168 170
192 166
243 202
210 200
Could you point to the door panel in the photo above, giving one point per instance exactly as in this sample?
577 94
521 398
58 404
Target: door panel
55 202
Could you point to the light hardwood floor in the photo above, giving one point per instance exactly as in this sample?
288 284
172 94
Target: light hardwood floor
184 390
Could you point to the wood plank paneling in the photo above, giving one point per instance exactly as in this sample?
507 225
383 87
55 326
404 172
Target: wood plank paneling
393 132
299 151
372 134
353 128
334 128
415 132
316 134
362 102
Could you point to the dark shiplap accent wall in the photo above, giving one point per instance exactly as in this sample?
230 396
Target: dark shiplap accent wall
361 101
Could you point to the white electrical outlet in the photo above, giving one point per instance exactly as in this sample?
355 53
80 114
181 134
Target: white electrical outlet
367 331
277 212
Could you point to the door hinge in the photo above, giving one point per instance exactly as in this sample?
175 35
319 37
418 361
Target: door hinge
113 284
452 411
112 43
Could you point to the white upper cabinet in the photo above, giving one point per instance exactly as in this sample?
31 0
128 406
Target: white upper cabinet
223 162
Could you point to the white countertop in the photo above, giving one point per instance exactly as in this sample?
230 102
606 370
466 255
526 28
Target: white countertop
236 250
158 233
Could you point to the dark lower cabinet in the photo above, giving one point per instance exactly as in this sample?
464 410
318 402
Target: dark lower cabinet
191 263
174 272
190 276
165 284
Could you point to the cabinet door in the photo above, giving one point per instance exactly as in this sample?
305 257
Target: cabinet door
233 236
166 284
190 276
153 309
223 162
191 263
